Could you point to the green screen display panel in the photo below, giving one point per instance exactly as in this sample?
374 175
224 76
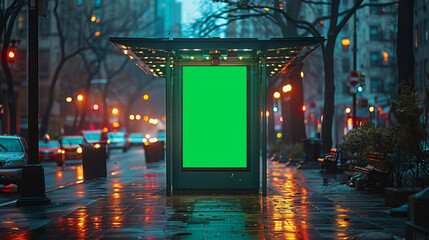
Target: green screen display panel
214 117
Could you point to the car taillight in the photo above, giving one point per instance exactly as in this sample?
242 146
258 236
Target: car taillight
128 140
59 151
97 145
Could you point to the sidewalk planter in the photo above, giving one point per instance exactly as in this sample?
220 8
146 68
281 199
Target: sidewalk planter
154 152
396 197
93 161
418 217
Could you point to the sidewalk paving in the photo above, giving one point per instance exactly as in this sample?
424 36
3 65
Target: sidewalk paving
302 204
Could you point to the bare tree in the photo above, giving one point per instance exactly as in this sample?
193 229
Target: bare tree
233 11
8 16
69 47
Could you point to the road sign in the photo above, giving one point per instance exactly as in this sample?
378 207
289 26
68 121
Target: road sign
353 78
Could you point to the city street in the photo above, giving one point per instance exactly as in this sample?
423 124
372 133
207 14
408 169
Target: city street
131 203
59 177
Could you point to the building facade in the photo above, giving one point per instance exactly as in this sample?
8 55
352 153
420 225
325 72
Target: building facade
421 45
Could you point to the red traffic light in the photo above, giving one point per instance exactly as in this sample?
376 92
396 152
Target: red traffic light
95 107
11 54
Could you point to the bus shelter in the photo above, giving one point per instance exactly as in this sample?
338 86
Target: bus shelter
216 105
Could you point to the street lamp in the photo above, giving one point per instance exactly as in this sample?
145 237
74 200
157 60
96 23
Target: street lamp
348 110
115 111
145 97
68 99
80 97
276 95
371 109
138 117
287 88
131 117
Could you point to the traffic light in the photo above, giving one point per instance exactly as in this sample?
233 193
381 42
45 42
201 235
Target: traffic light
359 89
11 55
362 79
95 107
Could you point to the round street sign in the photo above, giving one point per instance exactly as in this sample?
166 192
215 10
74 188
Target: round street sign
353 78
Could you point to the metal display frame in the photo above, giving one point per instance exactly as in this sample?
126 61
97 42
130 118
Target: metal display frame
165 58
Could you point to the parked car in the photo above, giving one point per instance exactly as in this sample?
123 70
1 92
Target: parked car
70 145
136 139
118 140
13 156
51 151
97 136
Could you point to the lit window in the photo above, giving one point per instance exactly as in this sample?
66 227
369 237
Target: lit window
374 59
374 33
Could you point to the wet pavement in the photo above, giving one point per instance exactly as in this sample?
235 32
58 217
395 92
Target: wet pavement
301 204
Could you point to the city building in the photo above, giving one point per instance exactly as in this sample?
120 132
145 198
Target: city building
376 29
421 45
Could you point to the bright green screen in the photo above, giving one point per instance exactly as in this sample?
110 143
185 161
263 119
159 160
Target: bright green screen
214 117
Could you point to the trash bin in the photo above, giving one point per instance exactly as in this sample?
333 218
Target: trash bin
312 148
93 161
154 151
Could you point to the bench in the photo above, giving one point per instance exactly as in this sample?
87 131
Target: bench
329 162
376 170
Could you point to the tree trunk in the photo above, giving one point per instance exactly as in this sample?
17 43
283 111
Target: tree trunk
404 49
51 98
10 92
328 109
293 116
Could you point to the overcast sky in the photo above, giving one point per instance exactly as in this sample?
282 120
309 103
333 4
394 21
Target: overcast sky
189 10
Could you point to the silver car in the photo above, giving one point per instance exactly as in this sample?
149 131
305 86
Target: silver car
13 156
118 140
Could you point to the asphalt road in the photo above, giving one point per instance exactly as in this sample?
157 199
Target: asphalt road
57 177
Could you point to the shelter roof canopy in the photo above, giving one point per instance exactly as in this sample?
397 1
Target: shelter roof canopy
281 54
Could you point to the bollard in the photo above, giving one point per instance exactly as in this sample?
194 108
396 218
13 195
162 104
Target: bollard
93 161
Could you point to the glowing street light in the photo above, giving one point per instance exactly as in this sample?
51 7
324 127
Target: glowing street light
68 99
276 95
131 117
287 88
115 111
348 110
95 107
145 97
371 109
302 74
138 117
80 97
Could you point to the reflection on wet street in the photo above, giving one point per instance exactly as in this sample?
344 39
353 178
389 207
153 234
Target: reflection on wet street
131 203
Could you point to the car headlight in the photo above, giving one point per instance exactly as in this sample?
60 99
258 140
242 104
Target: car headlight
79 150
108 141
